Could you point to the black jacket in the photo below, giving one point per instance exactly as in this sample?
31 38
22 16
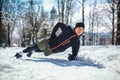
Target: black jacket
65 40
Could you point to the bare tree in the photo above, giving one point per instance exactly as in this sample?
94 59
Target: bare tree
62 10
82 3
59 10
9 19
3 36
118 23
68 10
33 19
92 15
83 19
112 6
65 12
1 27
113 21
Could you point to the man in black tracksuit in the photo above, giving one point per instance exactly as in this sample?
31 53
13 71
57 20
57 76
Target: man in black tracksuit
67 38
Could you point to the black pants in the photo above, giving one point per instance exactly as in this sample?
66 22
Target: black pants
32 48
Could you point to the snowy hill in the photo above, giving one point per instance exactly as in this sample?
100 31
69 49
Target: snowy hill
95 63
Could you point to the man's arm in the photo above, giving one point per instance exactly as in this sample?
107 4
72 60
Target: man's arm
58 25
75 48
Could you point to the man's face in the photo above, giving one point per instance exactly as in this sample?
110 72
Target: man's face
79 30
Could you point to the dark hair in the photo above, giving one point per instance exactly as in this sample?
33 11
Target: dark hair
80 24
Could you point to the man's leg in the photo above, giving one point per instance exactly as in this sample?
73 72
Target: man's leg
38 50
28 50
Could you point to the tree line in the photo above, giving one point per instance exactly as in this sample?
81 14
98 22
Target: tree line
27 17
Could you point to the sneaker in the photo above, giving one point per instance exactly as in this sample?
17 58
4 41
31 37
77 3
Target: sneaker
71 57
29 54
17 55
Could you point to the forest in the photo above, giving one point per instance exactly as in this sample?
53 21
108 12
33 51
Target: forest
21 20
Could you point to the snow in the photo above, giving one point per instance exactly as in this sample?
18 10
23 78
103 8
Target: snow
94 63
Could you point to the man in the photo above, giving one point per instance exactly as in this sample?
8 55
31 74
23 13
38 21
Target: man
67 38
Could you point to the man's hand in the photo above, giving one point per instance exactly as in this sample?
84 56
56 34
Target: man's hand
71 57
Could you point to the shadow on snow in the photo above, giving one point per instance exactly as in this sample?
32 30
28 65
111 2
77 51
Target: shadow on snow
65 63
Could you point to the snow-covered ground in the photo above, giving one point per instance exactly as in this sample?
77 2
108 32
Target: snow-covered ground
95 63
